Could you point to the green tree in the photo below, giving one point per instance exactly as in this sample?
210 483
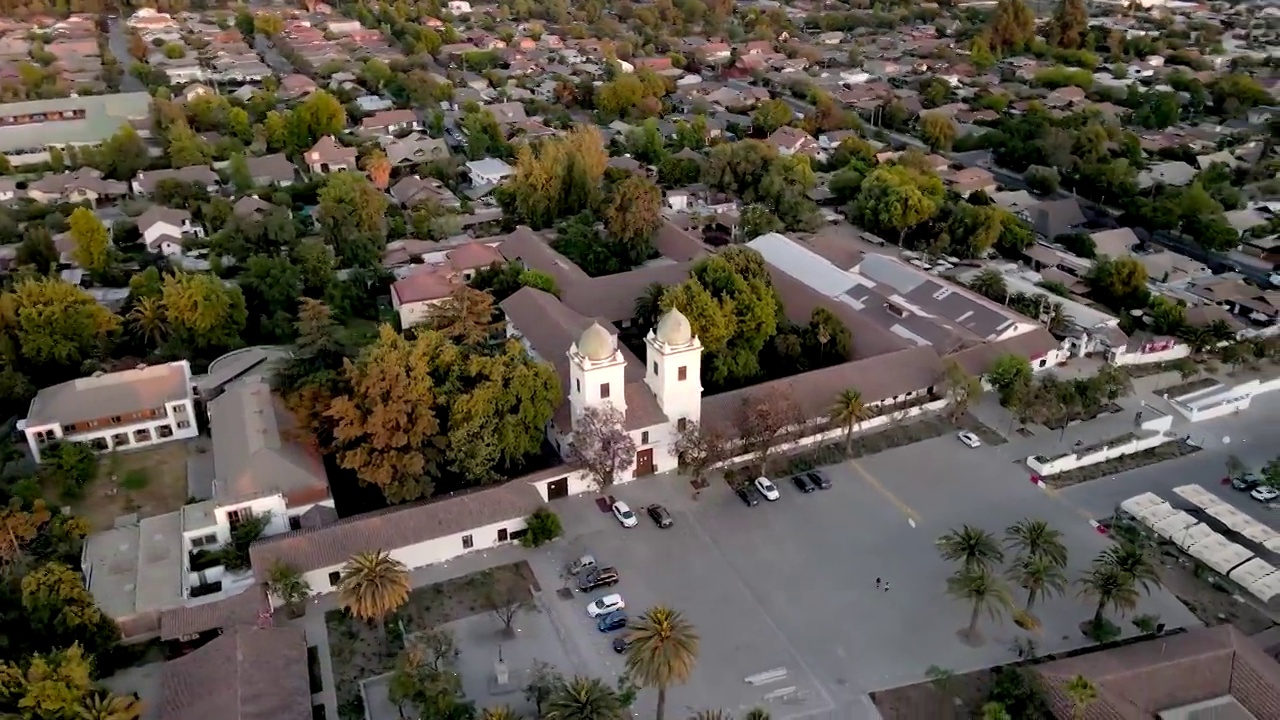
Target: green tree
319 115
1039 576
1009 375
1012 26
648 307
972 547
1037 539
1119 283
1070 25
92 241
979 586
1135 563
1082 694
55 324
271 285
287 584
585 698
37 250
848 411
466 317
1108 586
771 115
59 609
663 651
202 313
632 215
123 155
238 172
373 585
894 199
351 209
980 53
184 147
962 388
938 130
47 685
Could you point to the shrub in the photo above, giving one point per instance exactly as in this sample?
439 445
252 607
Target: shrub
542 527
71 465
1146 623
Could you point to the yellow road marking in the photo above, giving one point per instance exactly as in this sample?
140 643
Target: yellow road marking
875 484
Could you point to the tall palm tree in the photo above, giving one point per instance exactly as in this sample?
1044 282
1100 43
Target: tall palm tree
990 283
371 586
584 698
664 648
972 547
985 591
501 713
1036 539
1109 586
1040 576
1135 563
648 307
109 707
147 321
1082 694
847 412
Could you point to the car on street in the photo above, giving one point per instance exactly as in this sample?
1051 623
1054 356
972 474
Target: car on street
613 621
817 477
623 512
605 605
1246 482
1265 493
767 488
598 578
660 515
803 483
748 494
621 643
969 439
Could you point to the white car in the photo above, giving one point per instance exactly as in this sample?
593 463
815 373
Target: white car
1265 493
624 514
969 439
605 605
767 488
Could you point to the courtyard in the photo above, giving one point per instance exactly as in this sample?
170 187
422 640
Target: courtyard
149 481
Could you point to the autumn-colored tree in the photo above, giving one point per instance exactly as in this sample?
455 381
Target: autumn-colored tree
379 169
54 323
202 313
465 317
18 527
632 215
1069 25
184 147
771 115
938 130
1012 26
560 177
92 249
763 418
600 445
319 115
57 683
105 706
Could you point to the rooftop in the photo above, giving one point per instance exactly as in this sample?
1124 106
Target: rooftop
103 116
137 568
110 394
248 673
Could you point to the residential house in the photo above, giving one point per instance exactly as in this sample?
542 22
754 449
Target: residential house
423 287
390 122
791 141
1114 243
293 87
128 408
328 156
507 113
163 229
145 182
488 172
713 52
83 185
275 169
970 180
249 672
414 149
250 207
373 103
1174 174
413 190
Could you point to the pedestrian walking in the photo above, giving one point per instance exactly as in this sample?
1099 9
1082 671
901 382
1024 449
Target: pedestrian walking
877 583
886 586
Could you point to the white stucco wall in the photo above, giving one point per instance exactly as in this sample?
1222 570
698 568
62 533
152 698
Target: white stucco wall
1222 401
178 412
1072 461
1176 352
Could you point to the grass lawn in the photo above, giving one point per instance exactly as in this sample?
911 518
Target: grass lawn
354 646
149 482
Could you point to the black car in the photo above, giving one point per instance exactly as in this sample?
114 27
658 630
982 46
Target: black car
621 643
748 494
1246 482
598 578
661 517
803 483
817 478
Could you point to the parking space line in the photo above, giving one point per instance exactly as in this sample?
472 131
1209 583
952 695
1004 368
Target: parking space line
876 485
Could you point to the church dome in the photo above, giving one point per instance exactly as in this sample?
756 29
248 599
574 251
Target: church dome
596 344
674 328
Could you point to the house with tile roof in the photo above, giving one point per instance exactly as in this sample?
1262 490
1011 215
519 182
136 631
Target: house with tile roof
327 156
247 673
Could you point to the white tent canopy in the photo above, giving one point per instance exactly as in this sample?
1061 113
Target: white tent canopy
1157 513
1251 572
1230 516
1137 504
1193 535
1258 532
1173 523
1220 554
1197 496
1273 544
1266 588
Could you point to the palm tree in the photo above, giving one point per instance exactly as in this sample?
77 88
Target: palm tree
371 586
847 412
286 583
648 307
1082 694
983 589
711 715
500 713
664 648
1037 539
147 321
465 317
109 707
756 714
1135 563
584 698
973 547
1040 576
379 169
990 283
1109 587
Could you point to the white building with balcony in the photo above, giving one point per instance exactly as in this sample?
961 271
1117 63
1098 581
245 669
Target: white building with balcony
113 411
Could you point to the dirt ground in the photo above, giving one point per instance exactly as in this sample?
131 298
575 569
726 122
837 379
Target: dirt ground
150 481
1212 599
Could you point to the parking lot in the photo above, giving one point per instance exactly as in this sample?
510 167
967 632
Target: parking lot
791 584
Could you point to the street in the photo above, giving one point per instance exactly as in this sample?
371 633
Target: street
118 41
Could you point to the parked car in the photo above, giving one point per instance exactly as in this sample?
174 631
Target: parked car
803 484
622 511
1246 482
1264 493
767 488
613 621
661 517
969 439
817 477
595 579
748 494
605 605
586 562
622 643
